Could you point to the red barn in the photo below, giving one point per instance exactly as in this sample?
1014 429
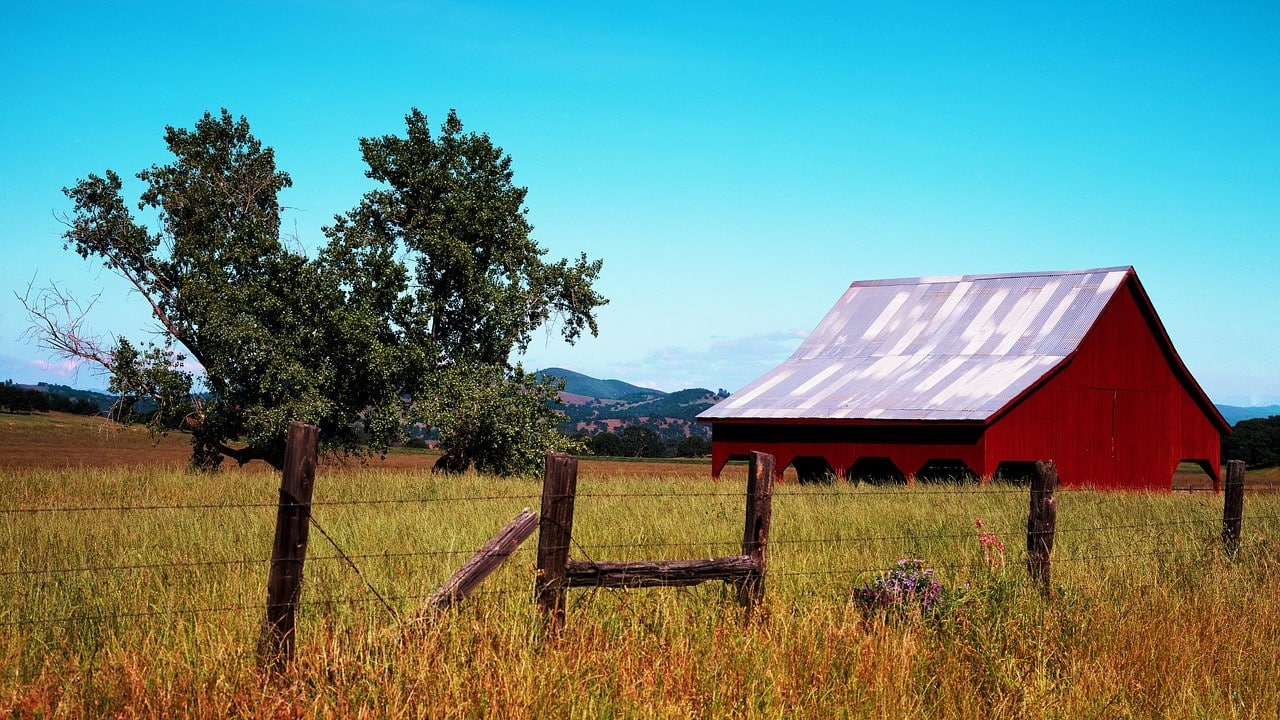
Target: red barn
992 371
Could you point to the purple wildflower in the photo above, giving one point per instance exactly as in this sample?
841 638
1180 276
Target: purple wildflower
907 584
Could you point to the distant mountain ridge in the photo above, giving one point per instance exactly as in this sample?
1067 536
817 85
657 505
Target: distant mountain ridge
1234 413
593 406
576 383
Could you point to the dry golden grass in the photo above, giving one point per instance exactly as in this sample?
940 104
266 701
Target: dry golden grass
1149 619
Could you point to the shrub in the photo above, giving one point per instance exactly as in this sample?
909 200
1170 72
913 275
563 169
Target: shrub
907 586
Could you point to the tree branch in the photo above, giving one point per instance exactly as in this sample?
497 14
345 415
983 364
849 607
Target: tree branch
57 325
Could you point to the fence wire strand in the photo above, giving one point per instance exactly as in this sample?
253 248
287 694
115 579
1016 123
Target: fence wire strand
35 509
178 565
350 563
785 494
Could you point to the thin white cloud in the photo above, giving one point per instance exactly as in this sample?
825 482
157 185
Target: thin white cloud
727 363
64 369
30 371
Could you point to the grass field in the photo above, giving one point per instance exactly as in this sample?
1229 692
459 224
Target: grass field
132 588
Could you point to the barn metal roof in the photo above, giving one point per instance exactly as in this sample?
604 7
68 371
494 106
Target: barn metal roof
955 348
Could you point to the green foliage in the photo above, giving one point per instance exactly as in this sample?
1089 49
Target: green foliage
156 375
693 446
493 417
607 444
481 286
671 416
447 204
1256 442
100 400
279 337
16 399
640 441
431 281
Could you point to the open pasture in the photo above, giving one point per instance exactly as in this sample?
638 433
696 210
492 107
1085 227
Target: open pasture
137 590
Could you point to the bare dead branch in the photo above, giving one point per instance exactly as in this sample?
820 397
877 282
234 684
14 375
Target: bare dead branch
58 325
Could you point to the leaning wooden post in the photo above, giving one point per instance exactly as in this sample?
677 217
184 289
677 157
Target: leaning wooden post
284 585
488 558
555 532
1041 523
1233 506
755 534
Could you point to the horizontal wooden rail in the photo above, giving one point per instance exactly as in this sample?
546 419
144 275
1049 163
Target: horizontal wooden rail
658 573
556 572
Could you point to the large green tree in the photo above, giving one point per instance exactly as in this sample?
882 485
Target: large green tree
347 339
447 203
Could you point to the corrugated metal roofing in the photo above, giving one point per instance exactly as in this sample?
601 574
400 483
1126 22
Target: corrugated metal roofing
932 348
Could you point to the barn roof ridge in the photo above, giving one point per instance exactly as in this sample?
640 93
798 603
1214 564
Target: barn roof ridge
941 279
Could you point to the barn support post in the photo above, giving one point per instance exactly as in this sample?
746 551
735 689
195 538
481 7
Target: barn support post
755 534
288 551
555 533
1042 520
1233 506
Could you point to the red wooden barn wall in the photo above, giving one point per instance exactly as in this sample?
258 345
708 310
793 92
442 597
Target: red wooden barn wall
1119 413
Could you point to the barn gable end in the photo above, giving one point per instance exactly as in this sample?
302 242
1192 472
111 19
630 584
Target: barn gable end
982 370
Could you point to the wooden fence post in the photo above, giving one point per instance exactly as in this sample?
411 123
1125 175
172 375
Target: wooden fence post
487 559
755 534
1041 523
289 550
555 533
1233 506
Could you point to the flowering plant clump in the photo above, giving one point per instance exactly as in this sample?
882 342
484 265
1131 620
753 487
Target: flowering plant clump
992 547
909 584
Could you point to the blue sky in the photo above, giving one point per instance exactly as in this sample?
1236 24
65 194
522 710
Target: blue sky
736 165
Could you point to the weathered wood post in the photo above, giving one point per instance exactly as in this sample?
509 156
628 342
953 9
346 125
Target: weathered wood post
1041 523
289 550
1233 506
755 534
488 558
555 533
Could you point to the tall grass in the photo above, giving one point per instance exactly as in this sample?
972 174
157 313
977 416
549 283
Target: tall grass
1148 618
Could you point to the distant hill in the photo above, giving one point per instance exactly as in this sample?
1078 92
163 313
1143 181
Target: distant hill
102 400
1234 414
587 386
594 406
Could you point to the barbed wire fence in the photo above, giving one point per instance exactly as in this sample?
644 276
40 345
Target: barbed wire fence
839 559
